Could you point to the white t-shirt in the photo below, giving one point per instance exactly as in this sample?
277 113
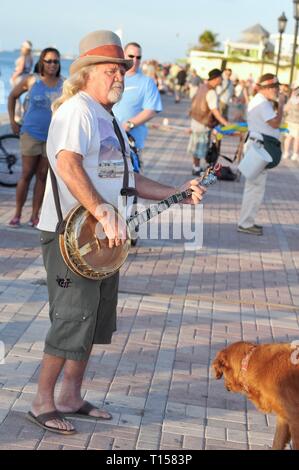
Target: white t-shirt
212 100
260 111
83 126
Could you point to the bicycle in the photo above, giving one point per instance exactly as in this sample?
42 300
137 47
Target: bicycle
10 160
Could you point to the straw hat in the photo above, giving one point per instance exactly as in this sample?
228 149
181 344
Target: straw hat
99 47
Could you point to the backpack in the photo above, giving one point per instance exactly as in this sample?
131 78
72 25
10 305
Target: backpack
226 174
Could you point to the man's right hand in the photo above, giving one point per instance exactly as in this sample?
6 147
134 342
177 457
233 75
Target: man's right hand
15 127
114 226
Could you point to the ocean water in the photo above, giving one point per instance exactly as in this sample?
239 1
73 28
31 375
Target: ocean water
7 66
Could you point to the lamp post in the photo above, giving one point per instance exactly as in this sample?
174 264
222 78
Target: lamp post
282 22
296 17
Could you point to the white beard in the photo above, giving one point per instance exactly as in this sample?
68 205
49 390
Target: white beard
115 94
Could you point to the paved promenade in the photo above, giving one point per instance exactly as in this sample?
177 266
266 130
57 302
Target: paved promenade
177 308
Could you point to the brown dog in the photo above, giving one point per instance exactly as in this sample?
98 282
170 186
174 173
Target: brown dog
269 376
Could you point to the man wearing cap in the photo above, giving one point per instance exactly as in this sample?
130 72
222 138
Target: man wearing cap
141 99
84 151
205 115
263 128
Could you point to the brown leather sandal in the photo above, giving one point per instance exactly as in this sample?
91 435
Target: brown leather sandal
84 412
42 419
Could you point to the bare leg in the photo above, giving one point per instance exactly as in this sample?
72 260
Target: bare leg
287 145
44 399
296 146
39 188
282 434
28 169
70 399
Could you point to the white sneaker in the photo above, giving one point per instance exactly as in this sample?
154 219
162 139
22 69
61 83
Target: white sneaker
295 157
286 156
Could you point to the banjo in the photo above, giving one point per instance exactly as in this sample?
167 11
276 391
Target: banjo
88 254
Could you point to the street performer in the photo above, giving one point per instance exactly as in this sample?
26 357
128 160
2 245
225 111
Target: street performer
84 151
205 115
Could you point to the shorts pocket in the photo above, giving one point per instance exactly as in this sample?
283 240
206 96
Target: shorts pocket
71 330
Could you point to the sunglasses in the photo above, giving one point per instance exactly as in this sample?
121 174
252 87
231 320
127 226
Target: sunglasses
138 57
49 62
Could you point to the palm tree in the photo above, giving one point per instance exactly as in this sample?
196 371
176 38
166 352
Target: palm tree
208 40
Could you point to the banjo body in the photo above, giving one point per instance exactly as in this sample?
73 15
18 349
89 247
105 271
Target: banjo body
85 248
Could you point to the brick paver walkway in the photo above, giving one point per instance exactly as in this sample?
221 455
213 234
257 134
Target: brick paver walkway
177 308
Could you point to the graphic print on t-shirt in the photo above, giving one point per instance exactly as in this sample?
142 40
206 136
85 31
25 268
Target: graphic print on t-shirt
110 166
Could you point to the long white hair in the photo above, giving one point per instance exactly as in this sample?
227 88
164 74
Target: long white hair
72 86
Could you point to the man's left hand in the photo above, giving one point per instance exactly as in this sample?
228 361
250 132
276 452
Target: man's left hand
197 191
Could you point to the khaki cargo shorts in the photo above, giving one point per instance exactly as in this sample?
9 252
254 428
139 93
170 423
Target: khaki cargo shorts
82 311
31 147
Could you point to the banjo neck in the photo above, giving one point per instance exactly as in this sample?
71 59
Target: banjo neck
156 209
142 217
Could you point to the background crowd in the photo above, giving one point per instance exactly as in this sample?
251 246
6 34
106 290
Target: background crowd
30 116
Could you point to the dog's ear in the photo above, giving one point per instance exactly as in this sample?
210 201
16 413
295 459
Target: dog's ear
220 364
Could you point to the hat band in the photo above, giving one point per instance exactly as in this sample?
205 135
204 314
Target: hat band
272 82
106 51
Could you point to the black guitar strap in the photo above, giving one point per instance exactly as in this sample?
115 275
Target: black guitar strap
126 190
60 225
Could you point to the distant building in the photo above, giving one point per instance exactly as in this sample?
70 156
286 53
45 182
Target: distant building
252 55
254 43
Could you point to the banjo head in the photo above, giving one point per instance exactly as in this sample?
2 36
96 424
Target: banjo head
85 247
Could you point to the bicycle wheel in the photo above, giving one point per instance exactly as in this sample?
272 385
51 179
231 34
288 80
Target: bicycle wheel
10 160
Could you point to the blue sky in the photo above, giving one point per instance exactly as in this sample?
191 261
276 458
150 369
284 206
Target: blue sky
165 28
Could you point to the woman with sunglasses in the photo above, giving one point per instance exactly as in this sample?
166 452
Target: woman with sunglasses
43 88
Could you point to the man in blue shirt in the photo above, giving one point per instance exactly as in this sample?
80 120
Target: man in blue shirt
140 101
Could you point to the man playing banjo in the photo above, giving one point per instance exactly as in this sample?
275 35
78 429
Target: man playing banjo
89 159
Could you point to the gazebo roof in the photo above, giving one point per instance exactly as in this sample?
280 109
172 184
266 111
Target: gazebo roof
254 34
